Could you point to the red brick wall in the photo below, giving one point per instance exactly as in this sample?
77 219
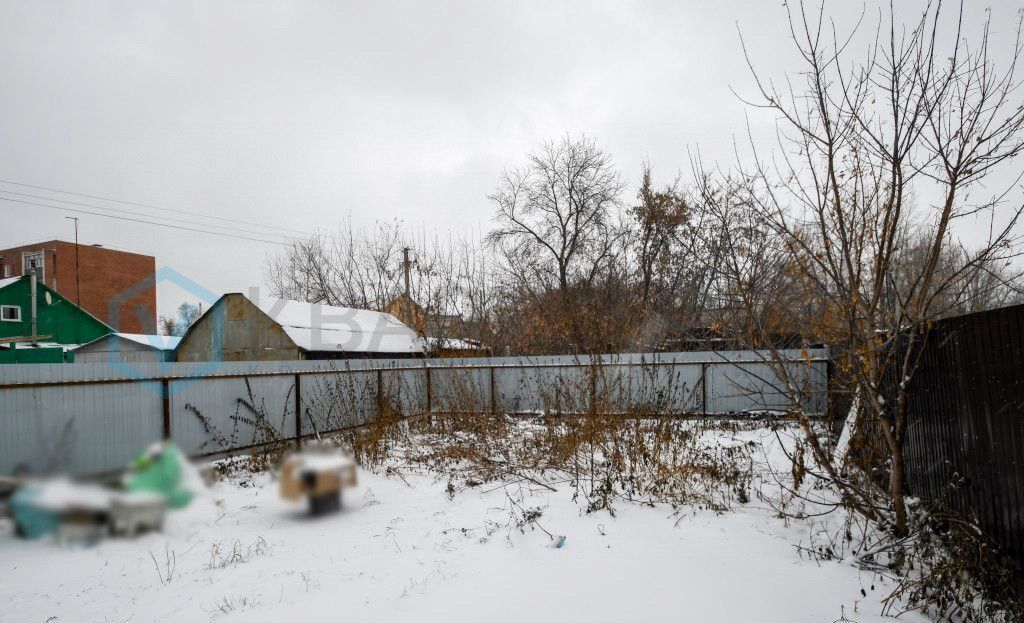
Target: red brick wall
103 274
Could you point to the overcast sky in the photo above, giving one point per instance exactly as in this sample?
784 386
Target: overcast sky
298 115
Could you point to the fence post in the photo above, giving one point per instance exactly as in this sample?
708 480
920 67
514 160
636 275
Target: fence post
380 392
494 402
298 410
165 390
430 408
704 387
592 408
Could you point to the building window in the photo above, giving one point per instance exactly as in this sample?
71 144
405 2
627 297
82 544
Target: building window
7 271
34 261
10 313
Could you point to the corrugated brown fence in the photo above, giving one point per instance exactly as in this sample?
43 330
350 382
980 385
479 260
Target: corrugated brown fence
965 440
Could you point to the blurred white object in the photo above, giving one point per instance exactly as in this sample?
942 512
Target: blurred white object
84 510
135 512
61 496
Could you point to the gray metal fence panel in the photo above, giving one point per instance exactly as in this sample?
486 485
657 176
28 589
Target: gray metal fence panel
615 389
456 389
335 401
519 390
677 389
213 415
102 421
405 390
21 373
562 388
740 387
748 387
78 428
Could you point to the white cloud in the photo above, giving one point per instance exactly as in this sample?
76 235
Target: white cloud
300 114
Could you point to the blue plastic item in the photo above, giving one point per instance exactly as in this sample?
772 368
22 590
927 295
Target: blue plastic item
32 521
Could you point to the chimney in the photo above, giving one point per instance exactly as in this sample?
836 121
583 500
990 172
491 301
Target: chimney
32 289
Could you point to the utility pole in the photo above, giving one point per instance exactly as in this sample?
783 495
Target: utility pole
78 289
407 303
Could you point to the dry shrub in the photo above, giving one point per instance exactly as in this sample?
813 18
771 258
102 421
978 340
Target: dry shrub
949 569
265 458
944 566
601 459
372 443
253 434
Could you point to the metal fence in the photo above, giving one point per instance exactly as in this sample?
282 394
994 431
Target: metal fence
87 418
965 429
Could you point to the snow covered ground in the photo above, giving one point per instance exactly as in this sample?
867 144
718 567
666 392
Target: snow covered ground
403 549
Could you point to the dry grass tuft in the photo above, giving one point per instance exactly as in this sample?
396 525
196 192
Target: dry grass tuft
602 459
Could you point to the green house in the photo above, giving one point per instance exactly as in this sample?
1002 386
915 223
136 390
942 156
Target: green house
59 324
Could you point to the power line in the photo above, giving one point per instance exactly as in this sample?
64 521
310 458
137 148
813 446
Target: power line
144 221
153 207
287 239
133 213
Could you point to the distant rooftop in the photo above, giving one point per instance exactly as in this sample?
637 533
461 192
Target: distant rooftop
159 342
81 243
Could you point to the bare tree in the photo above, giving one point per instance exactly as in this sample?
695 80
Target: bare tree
168 325
922 115
450 277
179 323
554 218
350 268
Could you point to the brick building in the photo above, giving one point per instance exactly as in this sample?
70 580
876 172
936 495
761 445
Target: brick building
102 275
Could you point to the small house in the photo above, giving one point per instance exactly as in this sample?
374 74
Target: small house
128 348
440 331
115 286
38 325
240 328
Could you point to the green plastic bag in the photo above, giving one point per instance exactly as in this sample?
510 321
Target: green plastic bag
159 470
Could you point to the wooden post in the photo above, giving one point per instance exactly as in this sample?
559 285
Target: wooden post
429 401
165 390
704 387
298 410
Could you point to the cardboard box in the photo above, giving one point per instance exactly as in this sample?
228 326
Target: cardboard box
316 475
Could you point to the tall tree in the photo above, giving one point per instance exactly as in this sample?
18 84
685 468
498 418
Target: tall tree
554 219
659 217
